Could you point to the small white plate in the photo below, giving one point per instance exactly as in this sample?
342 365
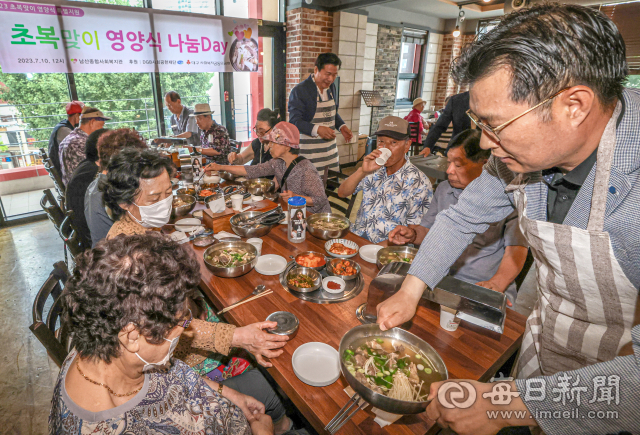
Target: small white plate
270 264
335 279
345 242
316 364
369 252
188 225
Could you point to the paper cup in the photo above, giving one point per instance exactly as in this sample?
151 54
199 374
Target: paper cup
257 243
448 319
386 153
236 201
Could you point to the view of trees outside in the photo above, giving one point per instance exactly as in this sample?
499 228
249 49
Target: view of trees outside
633 82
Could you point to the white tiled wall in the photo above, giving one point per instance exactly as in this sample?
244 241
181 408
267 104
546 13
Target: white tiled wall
350 43
371 41
431 69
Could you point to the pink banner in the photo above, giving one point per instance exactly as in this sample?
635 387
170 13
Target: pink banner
28 8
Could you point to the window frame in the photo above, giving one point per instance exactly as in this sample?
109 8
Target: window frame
417 79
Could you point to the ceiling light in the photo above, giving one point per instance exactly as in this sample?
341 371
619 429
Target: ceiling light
460 19
486 1
456 32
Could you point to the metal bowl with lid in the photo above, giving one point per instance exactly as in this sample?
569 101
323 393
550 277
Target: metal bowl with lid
307 271
314 220
288 323
259 186
256 230
182 205
234 271
392 254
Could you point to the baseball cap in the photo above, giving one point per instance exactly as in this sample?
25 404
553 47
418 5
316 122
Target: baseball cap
393 127
74 107
95 115
284 133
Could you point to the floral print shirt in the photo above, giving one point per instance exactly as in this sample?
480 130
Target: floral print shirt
177 401
217 138
391 200
72 153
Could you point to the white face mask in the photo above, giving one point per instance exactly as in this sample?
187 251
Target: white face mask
150 366
154 215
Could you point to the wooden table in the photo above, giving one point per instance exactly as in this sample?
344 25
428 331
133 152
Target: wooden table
470 352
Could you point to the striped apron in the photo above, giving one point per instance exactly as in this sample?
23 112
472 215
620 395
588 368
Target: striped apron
322 152
585 305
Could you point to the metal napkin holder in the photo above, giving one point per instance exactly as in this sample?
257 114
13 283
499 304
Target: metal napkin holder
474 304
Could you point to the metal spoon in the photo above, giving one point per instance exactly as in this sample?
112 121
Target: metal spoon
259 289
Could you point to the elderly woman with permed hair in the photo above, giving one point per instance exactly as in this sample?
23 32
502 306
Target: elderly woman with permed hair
126 306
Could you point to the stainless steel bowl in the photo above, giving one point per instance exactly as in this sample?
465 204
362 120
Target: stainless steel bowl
326 234
378 400
319 268
228 176
313 274
332 272
250 231
186 191
412 252
258 186
183 210
230 272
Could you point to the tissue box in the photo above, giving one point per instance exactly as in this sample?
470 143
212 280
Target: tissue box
208 217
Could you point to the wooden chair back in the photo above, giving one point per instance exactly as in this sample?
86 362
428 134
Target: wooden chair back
55 341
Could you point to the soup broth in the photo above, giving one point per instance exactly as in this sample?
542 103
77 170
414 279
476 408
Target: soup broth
391 367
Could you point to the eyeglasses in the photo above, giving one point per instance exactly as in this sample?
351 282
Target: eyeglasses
492 132
261 132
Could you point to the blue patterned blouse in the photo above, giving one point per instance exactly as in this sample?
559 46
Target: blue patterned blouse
177 401
389 201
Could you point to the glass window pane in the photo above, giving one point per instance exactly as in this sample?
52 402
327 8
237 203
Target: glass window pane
195 6
30 106
404 89
194 88
407 56
127 98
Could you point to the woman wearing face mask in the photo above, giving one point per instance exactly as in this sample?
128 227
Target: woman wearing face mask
258 152
126 307
138 192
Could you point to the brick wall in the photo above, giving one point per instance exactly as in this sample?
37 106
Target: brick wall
386 69
309 33
450 50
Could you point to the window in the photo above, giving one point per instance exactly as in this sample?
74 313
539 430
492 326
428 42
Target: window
411 66
486 25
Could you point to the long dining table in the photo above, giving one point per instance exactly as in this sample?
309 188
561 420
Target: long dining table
470 352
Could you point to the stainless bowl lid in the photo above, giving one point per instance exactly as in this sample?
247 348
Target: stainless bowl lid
288 323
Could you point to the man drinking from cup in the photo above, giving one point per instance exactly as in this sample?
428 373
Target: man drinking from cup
394 191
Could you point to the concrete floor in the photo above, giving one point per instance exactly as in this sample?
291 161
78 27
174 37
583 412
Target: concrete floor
27 375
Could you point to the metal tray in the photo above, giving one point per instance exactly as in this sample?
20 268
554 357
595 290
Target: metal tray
320 296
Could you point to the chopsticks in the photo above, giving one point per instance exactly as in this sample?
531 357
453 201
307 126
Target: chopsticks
231 307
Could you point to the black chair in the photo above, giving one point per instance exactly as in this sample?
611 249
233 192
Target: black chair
51 207
55 176
414 131
71 236
331 180
56 342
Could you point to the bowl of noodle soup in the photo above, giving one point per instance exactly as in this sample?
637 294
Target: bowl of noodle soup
327 226
393 370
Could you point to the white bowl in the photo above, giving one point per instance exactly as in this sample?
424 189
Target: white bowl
345 242
369 253
316 364
336 280
271 264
